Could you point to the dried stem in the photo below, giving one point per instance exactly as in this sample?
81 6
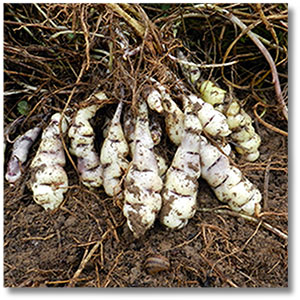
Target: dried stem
263 50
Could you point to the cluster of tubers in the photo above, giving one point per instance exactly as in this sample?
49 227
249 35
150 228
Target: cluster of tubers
130 167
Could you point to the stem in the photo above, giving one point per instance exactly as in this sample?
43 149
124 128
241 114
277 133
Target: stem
269 59
134 23
260 46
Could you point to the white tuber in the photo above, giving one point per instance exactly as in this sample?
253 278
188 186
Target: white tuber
20 153
181 183
156 132
174 116
227 181
113 155
82 138
213 122
243 133
142 200
154 99
49 180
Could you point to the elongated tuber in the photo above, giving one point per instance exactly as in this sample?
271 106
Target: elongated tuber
244 135
227 181
173 115
156 132
49 180
181 183
20 153
82 138
113 155
142 200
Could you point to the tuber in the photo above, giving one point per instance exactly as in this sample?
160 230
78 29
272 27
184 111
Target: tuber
181 183
156 132
113 155
19 154
82 138
227 181
49 180
243 132
142 199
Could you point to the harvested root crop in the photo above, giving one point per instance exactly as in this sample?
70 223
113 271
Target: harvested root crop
142 199
19 154
154 99
181 183
227 181
244 135
82 138
213 122
174 116
49 180
156 132
113 155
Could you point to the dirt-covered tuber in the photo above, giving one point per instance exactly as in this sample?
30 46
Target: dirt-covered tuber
142 199
181 183
113 155
228 183
82 138
49 180
19 154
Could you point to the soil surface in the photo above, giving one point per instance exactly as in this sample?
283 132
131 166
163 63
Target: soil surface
86 242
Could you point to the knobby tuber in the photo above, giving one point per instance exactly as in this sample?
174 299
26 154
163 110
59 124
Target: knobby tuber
227 181
20 153
49 180
244 135
213 122
181 183
173 114
113 155
82 138
239 122
142 199
156 132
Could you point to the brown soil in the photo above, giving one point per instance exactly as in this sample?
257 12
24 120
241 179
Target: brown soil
86 242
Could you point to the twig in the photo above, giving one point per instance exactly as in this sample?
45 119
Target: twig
134 23
248 218
86 259
184 62
266 184
282 132
86 37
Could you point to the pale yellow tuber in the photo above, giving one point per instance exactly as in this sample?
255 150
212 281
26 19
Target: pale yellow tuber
243 132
